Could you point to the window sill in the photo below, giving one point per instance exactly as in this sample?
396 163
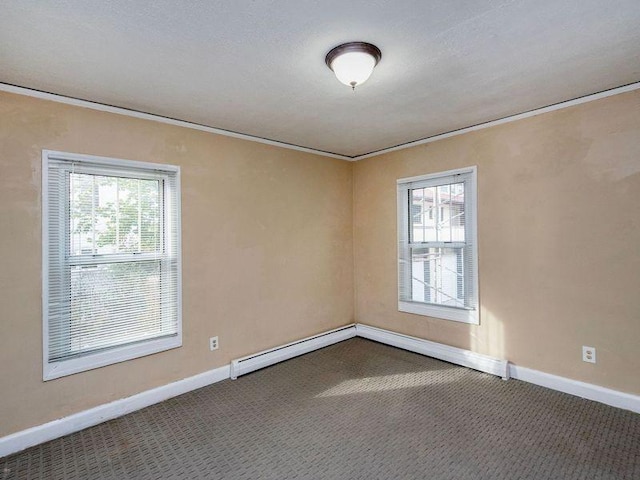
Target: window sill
63 368
445 313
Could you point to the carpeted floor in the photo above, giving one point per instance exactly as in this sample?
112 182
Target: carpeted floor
355 410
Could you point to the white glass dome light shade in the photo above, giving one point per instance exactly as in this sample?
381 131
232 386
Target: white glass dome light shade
353 68
353 62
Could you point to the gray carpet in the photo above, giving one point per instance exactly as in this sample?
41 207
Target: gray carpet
355 410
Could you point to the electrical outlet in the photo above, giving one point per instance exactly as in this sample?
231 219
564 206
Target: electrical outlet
588 354
213 343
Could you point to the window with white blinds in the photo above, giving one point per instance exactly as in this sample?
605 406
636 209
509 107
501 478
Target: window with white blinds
437 246
111 261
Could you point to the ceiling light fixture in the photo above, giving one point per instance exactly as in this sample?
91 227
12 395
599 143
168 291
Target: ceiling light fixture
353 62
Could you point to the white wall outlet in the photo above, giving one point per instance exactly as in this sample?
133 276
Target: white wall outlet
588 354
213 343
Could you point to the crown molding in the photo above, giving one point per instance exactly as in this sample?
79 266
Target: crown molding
78 102
5 87
512 118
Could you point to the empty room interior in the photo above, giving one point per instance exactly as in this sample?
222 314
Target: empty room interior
320 239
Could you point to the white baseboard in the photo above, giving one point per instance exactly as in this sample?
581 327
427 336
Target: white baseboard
263 359
459 356
88 418
589 391
502 368
49 431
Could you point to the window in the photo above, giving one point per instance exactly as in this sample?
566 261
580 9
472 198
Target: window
111 261
437 260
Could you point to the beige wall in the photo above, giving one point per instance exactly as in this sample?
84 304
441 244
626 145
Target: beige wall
269 235
267 251
559 240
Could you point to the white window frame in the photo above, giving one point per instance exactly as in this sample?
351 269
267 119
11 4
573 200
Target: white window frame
471 315
118 354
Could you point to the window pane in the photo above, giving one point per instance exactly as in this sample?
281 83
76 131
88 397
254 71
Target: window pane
423 226
438 275
416 213
442 214
114 215
112 304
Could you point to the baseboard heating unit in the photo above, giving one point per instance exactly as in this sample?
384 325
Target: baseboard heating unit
263 359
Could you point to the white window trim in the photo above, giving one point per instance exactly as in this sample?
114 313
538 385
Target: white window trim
90 361
441 311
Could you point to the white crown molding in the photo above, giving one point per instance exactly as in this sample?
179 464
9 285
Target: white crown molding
509 119
158 118
181 123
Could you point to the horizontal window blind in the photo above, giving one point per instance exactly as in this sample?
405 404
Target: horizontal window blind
436 244
113 256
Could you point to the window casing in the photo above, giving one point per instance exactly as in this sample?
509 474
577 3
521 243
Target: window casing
437 253
111 261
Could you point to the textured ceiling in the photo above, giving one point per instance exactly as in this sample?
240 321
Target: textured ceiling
257 67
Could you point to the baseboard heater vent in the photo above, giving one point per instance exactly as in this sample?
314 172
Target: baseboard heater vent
263 359
459 356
